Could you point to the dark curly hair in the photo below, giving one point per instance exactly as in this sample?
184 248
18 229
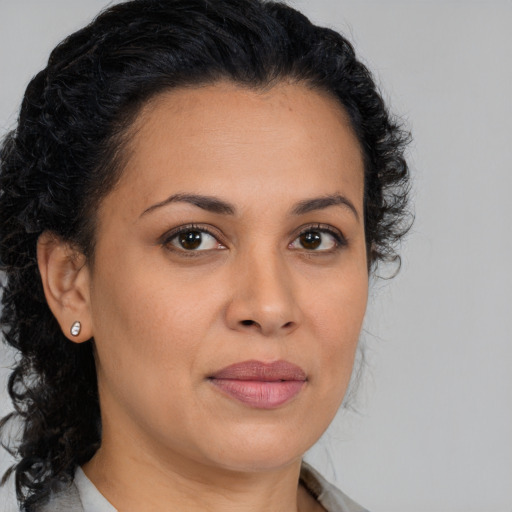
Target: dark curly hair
66 154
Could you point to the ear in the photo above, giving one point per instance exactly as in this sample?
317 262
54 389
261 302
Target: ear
66 283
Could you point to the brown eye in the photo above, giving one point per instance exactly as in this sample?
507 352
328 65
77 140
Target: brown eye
318 240
190 240
193 240
310 240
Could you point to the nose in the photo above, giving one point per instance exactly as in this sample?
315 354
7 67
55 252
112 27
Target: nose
263 298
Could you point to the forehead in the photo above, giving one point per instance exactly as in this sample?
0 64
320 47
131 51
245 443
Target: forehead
228 105
226 133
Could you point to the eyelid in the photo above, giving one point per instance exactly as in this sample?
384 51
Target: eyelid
168 236
336 233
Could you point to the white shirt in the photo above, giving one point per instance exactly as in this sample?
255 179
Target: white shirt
92 500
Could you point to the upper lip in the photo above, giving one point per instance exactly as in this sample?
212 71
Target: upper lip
260 371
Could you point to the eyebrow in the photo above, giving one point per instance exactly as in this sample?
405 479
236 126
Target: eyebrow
320 203
209 203
216 205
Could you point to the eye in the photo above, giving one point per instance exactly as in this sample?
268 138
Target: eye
319 240
192 239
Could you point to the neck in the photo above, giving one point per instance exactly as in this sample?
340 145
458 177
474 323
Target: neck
133 476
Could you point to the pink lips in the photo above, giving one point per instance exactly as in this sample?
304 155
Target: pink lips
260 385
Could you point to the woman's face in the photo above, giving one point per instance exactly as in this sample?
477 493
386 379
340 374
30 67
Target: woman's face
230 277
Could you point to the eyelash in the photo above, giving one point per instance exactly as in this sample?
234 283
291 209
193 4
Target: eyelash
171 235
337 235
167 238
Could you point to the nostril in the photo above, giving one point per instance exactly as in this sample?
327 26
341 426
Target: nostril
250 323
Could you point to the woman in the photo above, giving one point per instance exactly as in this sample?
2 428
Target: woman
191 205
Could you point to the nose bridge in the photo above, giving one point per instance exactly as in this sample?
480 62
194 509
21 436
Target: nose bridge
263 295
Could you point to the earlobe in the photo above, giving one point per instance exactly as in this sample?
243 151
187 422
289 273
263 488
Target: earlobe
65 278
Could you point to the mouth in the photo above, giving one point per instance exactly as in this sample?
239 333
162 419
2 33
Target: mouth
260 385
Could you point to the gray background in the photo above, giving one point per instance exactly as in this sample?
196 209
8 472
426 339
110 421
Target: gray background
432 431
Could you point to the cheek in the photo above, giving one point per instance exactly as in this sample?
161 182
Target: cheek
150 321
337 315
146 343
140 322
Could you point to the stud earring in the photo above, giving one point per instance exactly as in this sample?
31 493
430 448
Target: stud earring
76 328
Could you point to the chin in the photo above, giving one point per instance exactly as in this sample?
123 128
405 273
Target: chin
260 451
258 463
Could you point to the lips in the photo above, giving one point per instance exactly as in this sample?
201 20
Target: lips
260 385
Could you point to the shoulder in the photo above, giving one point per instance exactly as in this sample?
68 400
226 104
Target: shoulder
65 499
329 496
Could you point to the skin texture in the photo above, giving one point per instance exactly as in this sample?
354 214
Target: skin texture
164 319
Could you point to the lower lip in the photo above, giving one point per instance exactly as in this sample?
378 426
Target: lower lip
260 394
